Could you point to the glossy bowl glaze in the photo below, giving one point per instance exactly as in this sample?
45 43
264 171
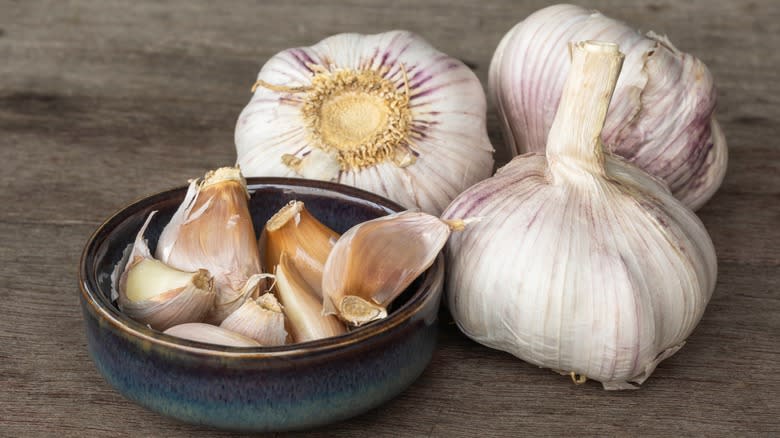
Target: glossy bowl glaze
257 389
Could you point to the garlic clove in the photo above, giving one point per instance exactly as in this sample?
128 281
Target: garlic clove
307 242
212 229
261 319
211 334
373 262
159 295
149 278
386 113
302 306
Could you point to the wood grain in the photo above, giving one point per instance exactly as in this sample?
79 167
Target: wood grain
105 102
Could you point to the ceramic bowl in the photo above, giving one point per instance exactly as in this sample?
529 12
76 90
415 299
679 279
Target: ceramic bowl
282 388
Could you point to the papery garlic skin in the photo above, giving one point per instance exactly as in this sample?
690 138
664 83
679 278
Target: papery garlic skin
582 262
212 229
158 295
662 113
387 113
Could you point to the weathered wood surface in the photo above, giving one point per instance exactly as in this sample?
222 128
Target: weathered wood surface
104 102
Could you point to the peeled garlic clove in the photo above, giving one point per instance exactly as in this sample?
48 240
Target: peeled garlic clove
211 334
212 229
387 113
582 262
159 295
293 230
302 306
261 320
373 262
662 113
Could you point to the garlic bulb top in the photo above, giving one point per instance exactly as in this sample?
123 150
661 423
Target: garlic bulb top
582 262
387 113
662 113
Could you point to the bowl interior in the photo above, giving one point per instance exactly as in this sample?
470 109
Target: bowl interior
337 206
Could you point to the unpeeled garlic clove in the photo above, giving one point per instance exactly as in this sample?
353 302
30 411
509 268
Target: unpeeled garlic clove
306 240
213 229
261 319
211 334
373 262
302 306
156 294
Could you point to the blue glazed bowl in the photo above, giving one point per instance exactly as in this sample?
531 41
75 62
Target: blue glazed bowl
282 388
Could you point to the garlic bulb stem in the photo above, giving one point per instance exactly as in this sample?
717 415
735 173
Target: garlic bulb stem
576 134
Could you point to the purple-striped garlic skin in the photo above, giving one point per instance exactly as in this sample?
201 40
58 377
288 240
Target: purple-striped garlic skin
387 113
581 262
662 113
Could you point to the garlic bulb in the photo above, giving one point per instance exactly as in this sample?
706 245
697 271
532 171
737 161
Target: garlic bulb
307 241
662 113
387 113
211 334
212 229
374 261
302 305
582 262
156 294
261 319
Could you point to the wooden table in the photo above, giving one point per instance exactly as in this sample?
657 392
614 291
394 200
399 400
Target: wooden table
104 102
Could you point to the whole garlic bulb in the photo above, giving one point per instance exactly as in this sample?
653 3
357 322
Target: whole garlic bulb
662 113
581 262
387 113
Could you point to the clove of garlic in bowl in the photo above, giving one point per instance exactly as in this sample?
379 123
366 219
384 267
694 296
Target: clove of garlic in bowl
154 293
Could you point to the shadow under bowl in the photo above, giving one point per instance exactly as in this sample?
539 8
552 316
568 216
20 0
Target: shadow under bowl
283 388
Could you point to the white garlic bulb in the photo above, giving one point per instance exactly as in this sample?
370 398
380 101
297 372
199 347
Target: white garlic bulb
582 262
662 113
387 113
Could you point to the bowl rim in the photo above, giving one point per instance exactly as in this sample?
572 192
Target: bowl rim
98 302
